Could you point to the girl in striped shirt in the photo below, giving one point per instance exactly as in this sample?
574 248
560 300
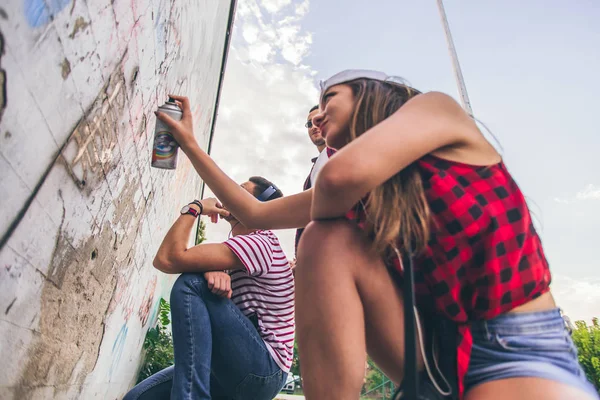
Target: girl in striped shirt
233 332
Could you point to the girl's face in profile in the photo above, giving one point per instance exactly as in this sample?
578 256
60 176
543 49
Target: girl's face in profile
337 106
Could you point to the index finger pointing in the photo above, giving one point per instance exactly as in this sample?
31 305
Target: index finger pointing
185 102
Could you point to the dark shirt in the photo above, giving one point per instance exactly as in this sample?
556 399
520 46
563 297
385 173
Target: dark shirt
307 185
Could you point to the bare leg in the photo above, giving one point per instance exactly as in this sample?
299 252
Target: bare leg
526 389
346 303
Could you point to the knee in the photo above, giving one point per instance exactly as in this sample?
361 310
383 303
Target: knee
325 239
316 235
188 284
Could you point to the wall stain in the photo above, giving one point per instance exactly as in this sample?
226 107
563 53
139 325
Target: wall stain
98 269
3 94
75 298
94 138
80 25
65 68
134 76
80 284
10 306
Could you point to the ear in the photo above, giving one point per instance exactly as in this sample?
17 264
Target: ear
250 187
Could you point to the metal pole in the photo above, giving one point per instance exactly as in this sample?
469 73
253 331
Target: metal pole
462 89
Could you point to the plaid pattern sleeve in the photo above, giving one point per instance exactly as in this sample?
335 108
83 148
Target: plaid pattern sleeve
484 256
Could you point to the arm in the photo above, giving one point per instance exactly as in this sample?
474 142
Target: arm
287 212
175 257
425 124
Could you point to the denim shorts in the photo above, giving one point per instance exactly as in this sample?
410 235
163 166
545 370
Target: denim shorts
534 344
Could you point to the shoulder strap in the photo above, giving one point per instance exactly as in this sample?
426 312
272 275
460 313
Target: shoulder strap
409 389
411 376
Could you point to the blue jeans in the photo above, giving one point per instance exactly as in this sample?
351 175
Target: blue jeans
535 344
218 351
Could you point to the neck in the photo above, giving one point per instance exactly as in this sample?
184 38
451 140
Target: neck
321 148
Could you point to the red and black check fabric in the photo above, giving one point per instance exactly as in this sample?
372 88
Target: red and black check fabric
484 256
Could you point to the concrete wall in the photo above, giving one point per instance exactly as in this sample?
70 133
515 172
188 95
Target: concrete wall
82 212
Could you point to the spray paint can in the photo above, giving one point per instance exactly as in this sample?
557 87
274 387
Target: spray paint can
164 150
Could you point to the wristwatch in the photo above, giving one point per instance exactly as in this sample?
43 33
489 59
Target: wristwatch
199 204
191 210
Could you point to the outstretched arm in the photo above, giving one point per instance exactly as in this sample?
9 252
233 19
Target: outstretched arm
286 212
174 256
429 123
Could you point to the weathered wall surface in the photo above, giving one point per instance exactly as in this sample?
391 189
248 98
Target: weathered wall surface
82 212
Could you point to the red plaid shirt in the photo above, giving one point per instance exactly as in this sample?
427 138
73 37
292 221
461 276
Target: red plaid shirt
484 256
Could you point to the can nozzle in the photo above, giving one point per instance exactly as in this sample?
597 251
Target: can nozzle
171 100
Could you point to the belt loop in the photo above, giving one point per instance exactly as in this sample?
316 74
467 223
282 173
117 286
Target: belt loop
568 324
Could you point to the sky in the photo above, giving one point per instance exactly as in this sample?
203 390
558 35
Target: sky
531 72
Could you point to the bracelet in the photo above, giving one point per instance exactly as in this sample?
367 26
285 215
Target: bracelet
199 204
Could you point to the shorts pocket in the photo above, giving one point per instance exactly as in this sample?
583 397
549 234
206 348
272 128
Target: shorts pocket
255 387
539 342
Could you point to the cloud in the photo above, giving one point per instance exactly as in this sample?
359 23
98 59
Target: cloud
267 93
260 52
302 8
590 192
294 46
250 33
274 6
272 30
579 299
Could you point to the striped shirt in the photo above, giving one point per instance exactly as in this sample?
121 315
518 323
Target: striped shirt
265 289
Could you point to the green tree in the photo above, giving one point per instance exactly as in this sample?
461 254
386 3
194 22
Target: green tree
201 231
158 344
376 384
295 369
374 377
587 340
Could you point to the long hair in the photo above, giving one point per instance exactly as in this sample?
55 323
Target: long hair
397 211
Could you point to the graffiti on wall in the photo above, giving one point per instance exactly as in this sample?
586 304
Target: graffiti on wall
93 141
117 348
144 310
88 268
40 12
78 289
2 79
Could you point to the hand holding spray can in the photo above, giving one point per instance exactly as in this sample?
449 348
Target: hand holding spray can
164 150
